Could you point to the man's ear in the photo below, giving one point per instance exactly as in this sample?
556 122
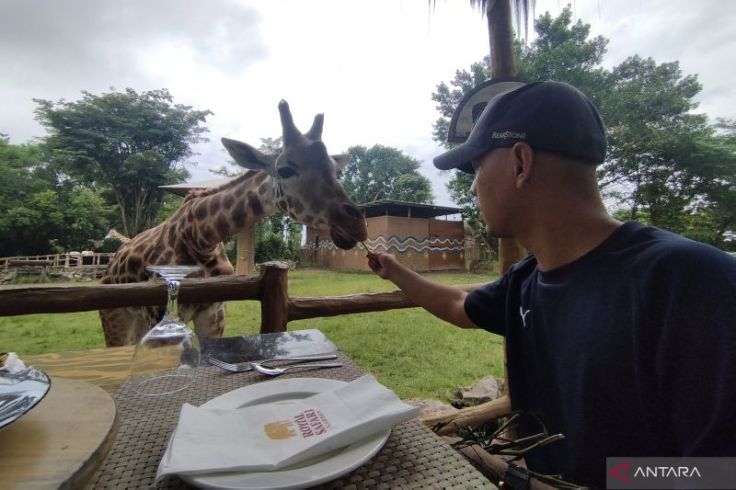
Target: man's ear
523 163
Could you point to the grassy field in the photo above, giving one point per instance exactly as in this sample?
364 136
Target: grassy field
408 350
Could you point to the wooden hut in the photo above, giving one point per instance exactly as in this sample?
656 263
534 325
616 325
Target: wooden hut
412 232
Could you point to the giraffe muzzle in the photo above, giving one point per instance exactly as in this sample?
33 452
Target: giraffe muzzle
349 228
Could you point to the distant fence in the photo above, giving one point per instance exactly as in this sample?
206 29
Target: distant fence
476 251
65 261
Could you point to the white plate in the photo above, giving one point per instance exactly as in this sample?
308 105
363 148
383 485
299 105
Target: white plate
20 392
313 472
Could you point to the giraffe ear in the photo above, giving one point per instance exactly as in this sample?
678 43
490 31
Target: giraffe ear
341 160
248 157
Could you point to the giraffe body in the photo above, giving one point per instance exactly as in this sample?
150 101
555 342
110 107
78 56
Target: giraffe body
301 181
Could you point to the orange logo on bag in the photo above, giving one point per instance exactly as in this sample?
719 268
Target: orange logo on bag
279 430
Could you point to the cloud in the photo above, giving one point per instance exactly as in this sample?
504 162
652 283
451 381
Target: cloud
55 49
697 35
369 66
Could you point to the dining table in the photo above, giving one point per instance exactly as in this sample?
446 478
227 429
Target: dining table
413 456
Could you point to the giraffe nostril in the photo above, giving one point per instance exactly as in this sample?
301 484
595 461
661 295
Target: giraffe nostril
352 211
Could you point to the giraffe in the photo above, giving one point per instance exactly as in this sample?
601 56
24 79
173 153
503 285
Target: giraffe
301 181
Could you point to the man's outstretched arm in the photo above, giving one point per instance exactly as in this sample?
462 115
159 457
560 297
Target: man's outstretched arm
445 302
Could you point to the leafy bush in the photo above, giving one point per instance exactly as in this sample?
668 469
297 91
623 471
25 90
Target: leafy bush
109 245
271 247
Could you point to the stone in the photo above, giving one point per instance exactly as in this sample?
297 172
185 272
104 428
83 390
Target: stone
484 390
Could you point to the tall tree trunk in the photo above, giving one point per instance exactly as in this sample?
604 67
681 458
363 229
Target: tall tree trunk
503 64
501 38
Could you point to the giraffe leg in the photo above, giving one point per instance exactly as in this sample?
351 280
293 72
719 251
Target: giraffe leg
125 326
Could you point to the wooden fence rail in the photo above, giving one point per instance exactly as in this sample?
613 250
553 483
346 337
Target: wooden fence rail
65 261
270 288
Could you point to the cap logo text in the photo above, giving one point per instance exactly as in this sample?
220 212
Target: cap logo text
507 135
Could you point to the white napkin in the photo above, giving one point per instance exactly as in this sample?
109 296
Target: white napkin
13 364
276 435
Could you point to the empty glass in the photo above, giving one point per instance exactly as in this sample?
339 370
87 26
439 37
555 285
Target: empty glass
165 359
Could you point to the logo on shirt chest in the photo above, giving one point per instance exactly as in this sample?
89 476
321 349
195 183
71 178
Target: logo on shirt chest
524 314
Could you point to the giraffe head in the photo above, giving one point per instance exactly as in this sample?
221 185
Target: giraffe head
305 181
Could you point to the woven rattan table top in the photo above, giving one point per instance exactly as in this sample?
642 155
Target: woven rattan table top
413 457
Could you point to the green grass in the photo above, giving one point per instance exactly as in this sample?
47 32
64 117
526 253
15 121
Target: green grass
408 350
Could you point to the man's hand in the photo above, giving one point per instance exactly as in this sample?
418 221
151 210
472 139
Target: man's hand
445 302
382 264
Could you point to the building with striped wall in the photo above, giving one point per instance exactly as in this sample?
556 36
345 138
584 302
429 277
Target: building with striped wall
424 237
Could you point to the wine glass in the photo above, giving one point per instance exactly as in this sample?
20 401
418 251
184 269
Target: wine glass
165 358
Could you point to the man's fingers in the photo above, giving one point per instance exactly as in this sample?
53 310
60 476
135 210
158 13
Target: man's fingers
373 262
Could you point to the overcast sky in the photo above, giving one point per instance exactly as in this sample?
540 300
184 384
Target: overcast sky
370 66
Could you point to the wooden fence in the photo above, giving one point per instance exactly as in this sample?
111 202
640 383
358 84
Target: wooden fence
270 288
65 261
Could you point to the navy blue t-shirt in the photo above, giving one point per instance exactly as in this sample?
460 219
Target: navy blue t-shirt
628 351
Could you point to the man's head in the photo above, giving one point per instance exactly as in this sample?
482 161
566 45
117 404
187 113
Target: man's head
549 116
533 151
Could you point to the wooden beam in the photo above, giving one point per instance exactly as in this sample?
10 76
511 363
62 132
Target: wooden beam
300 308
54 299
30 263
471 416
274 297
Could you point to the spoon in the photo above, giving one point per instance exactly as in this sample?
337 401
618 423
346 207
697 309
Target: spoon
276 371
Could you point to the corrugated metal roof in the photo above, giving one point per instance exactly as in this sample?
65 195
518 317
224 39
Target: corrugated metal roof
386 207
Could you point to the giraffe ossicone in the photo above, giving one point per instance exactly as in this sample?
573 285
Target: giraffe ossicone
301 180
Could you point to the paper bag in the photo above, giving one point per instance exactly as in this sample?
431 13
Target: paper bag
276 435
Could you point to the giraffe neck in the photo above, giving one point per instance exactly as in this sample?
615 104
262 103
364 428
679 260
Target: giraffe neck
217 214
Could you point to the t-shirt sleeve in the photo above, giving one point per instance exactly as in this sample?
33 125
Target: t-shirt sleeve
695 358
486 306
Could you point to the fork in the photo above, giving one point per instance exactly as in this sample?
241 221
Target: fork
246 366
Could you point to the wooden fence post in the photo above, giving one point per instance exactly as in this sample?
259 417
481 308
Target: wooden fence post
274 296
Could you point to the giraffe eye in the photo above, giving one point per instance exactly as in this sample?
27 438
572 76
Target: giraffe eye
286 172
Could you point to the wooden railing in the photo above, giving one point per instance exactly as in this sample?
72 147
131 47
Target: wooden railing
270 288
68 260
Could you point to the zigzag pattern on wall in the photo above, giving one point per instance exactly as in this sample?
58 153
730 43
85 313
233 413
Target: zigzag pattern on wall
396 244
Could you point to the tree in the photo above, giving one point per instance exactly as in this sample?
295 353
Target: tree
271 146
666 165
40 212
659 150
126 142
22 176
382 172
277 237
561 51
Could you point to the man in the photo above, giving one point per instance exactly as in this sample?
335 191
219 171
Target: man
620 336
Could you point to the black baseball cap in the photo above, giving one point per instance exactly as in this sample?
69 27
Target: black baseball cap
548 116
